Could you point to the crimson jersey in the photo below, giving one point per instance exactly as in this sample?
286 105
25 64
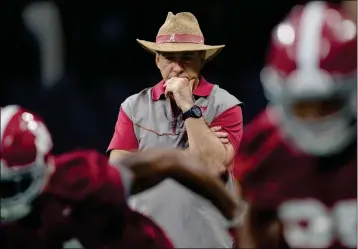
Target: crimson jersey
315 198
85 200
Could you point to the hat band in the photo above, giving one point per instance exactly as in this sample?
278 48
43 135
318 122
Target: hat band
180 38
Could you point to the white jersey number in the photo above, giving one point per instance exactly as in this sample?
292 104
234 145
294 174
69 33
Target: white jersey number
309 223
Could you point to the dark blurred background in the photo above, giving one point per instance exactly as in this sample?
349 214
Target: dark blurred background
79 89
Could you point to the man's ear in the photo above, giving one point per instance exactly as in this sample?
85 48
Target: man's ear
157 59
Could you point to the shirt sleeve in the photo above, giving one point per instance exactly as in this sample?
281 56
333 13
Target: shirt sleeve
124 137
231 122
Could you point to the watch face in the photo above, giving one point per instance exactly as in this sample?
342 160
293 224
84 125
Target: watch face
196 111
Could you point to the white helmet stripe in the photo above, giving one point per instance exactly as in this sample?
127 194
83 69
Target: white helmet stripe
7 113
309 35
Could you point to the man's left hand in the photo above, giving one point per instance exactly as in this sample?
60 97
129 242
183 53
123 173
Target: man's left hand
219 133
182 91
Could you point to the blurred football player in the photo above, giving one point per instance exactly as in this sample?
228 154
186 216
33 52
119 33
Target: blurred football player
47 200
298 159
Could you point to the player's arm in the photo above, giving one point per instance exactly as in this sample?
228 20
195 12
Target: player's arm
124 139
202 142
153 166
260 229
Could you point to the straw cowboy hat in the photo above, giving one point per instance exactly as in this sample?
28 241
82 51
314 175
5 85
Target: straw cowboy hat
180 32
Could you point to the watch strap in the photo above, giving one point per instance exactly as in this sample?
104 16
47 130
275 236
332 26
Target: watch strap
190 113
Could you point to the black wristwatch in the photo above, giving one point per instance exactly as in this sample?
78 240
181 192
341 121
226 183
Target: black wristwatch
193 112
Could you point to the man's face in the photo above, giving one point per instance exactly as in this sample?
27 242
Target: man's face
180 64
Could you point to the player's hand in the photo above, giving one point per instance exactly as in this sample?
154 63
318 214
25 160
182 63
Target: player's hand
181 90
220 134
151 167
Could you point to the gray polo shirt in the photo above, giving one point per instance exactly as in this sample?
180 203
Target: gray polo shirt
189 220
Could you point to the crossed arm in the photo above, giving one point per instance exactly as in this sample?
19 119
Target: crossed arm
206 145
216 146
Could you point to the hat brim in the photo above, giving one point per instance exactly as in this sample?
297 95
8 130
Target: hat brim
211 51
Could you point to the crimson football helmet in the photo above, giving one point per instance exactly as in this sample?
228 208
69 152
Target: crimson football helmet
311 78
25 147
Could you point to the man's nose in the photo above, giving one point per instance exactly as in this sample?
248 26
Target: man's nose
178 66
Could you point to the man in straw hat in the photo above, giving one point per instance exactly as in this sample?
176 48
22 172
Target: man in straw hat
182 111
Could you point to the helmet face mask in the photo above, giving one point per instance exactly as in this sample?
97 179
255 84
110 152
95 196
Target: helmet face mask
318 124
12 187
311 79
20 186
321 135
